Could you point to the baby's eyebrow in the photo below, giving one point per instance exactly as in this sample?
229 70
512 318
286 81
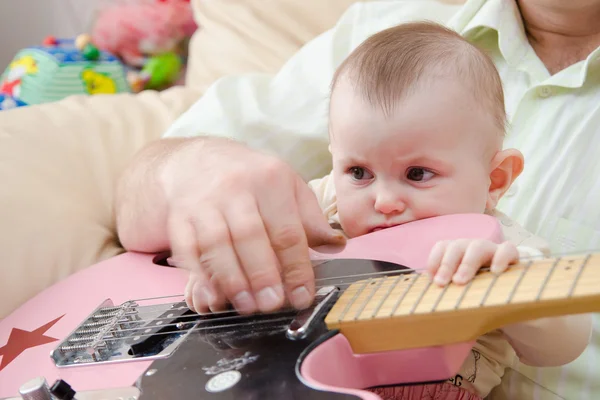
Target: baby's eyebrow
425 161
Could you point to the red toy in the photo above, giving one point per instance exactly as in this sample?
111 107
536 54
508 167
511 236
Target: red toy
136 29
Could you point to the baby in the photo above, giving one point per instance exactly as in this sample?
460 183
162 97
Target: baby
417 122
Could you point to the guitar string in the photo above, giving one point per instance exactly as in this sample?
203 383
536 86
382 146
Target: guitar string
546 285
383 275
407 270
577 253
98 317
197 324
196 328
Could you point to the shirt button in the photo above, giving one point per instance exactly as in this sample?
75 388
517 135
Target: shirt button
512 191
545 92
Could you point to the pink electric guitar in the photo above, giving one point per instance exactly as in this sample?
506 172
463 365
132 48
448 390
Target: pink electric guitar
120 329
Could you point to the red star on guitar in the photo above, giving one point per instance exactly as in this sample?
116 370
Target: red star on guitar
21 340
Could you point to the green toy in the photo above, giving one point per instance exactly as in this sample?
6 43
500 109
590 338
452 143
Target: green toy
158 72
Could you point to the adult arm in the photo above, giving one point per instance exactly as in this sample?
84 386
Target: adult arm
208 199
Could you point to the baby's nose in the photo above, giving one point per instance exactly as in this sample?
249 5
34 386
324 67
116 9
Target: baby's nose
387 203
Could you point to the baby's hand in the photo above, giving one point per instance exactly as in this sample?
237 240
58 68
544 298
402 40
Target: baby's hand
459 260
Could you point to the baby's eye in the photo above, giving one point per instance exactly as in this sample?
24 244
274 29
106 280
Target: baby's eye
418 174
359 173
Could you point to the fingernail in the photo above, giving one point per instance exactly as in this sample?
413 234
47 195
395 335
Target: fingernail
441 278
460 275
244 303
268 299
300 298
175 261
204 294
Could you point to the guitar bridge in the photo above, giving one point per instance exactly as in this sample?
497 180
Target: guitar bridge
125 332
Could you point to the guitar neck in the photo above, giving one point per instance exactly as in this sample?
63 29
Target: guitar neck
409 311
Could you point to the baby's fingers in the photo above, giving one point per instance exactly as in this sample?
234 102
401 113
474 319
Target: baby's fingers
435 257
478 253
450 260
506 254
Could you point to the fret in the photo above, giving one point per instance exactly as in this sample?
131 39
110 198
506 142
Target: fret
547 279
519 280
368 299
439 299
589 282
559 283
420 298
580 270
463 294
408 287
505 282
531 282
489 289
386 296
353 299
414 293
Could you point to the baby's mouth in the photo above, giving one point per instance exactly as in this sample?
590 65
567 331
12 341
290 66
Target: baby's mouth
382 227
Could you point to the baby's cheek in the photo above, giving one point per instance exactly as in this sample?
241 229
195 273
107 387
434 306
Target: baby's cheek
352 220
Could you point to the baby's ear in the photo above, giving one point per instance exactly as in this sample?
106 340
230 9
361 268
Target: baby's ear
505 167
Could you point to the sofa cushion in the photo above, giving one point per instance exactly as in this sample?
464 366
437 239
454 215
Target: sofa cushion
238 36
59 163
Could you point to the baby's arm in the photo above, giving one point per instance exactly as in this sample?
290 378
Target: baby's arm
549 342
543 342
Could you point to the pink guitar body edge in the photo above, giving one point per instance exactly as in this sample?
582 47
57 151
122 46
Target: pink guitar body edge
57 311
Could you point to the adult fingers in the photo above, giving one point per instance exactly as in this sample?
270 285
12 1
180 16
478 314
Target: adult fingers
317 229
288 239
477 254
184 248
219 261
255 254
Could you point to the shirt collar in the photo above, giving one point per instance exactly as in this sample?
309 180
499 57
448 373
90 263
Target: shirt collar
503 16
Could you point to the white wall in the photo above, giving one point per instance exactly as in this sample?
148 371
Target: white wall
27 22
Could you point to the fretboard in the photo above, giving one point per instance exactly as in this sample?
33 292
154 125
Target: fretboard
407 311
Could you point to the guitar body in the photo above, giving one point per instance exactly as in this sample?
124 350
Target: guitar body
253 358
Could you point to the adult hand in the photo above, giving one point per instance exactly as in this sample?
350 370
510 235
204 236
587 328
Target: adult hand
241 221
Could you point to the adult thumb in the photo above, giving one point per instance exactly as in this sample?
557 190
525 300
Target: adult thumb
317 229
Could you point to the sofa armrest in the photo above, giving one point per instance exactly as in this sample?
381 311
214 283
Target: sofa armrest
59 164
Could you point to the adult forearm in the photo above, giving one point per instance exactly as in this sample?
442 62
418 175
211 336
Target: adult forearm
140 204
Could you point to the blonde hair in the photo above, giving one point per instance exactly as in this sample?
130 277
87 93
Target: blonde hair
391 63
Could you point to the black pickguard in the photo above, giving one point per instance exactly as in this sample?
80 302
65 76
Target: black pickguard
273 360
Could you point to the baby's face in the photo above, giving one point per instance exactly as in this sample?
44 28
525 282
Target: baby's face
429 157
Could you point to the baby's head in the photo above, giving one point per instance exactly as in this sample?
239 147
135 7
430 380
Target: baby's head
417 122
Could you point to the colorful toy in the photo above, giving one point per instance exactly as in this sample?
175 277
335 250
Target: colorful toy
148 35
58 69
158 72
